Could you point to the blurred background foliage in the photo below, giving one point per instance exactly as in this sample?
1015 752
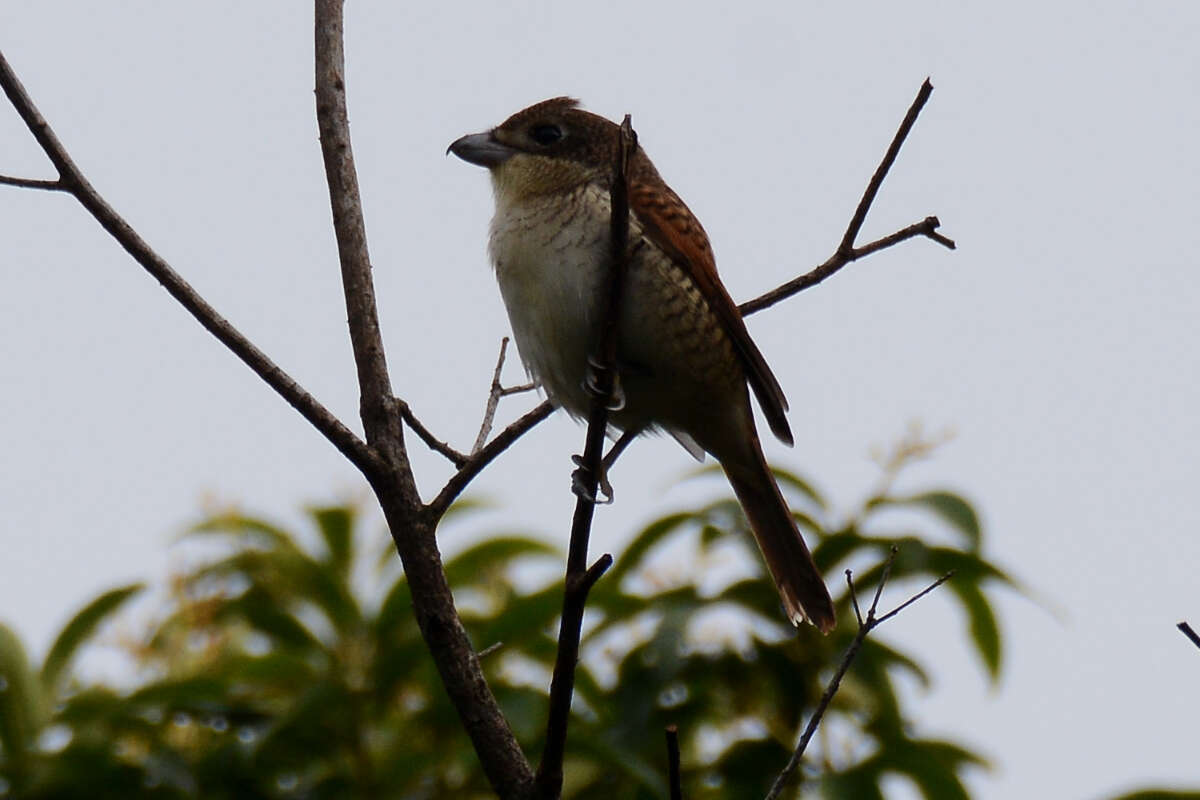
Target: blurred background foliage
289 665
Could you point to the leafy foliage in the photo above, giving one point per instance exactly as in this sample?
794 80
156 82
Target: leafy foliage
276 672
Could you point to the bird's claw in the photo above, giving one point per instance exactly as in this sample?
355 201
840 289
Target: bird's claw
579 483
615 400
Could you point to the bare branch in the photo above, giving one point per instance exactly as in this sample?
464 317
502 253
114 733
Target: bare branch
477 461
383 428
1187 631
456 458
913 599
491 648
846 251
889 158
864 628
411 525
587 477
854 597
496 392
72 180
518 389
493 402
674 781
883 579
34 183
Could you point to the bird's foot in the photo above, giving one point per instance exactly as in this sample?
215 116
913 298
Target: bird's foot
580 484
615 399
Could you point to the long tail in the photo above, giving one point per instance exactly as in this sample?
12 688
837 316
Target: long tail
804 595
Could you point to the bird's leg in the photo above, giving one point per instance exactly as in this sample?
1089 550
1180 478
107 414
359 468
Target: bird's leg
606 489
615 400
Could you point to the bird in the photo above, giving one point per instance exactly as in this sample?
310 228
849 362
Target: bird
685 360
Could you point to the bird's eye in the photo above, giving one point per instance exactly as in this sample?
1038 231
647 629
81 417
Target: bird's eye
546 135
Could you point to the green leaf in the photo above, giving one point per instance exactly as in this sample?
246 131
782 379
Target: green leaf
649 536
934 766
985 632
271 536
22 704
336 525
197 693
835 548
79 629
395 611
489 556
258 608
949 507
790 480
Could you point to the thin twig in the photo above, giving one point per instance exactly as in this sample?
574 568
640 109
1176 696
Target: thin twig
883 579
889 158
914 598
586 478
846 251
674 780
854 597
493 402
518 389
34 183
477 461
870 624
1189 633
487 651
495 392
72 180
456 458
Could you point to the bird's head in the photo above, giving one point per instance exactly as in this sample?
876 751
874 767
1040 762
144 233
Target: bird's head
551 147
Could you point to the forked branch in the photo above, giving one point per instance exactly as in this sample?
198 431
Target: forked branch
847 251
865 626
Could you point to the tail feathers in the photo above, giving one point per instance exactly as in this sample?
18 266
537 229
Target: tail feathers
801 588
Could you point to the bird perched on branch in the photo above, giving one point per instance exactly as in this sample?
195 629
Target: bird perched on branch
684 356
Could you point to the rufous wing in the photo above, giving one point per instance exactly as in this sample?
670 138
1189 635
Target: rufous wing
669 223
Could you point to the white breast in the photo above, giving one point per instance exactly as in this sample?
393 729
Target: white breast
549 255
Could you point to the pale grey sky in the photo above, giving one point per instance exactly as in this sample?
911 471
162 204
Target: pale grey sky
1058 341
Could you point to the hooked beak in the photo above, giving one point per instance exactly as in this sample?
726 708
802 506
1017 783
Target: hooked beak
482 149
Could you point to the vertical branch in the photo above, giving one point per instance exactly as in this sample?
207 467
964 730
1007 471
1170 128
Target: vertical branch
383 426
674 779
603 384
411 525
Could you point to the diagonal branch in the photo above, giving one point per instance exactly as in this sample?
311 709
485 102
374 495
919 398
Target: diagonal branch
603 385
34 183
477 461
864 628
1191 634
846 251
72 180
889 158
432 442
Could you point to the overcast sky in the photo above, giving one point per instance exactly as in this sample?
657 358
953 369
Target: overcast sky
1058 342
